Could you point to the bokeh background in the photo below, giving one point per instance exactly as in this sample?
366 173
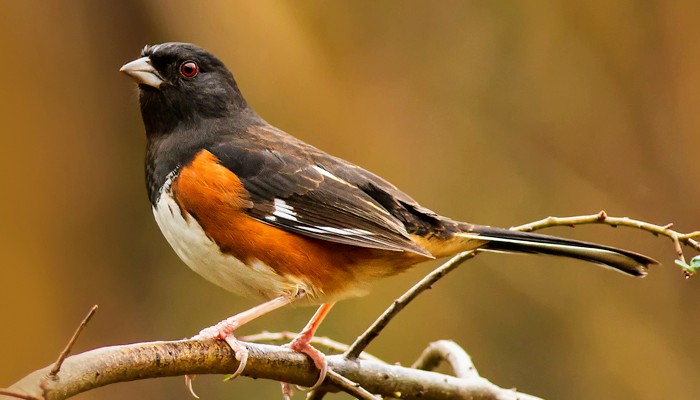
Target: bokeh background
492 112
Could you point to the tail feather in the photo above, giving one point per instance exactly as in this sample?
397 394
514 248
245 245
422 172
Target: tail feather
500 239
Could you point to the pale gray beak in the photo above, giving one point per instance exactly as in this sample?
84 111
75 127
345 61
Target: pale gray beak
143 72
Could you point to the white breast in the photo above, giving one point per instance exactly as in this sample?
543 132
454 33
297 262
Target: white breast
203 256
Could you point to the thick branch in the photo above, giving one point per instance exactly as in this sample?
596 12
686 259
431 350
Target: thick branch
108 365
286 337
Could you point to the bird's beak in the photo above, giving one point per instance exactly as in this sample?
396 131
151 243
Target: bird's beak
143 72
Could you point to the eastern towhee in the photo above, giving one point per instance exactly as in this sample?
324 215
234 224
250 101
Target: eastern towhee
263 214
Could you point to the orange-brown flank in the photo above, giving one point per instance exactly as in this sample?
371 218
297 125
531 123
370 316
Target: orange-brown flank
216 198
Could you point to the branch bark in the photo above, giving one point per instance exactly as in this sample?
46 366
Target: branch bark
108 365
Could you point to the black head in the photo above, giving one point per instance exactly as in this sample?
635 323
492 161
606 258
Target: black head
180 83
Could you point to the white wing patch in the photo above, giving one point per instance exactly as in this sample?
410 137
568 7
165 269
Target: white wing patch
345 231
284 210
336 231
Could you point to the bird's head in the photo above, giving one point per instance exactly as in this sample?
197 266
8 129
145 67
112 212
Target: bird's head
182 83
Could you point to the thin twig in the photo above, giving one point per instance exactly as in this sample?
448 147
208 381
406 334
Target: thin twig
272 337
373 331
350 387
17 395
61 357
678 239
450 352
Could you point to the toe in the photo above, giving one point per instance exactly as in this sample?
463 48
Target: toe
287 392
241 354
316 356
188 383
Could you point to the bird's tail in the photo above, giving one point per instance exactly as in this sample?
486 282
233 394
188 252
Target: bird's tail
505 240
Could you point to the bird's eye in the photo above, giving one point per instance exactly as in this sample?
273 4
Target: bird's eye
189 69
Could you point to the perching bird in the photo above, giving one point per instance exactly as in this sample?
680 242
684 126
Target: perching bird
265 215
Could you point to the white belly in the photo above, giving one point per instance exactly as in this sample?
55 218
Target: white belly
203 256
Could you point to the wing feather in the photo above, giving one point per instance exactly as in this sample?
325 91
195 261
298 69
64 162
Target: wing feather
292 192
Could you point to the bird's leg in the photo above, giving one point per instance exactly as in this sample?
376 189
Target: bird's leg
301 345
224 331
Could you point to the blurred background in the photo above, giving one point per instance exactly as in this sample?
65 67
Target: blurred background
492 112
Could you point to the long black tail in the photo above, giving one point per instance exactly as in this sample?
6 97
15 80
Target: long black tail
500 239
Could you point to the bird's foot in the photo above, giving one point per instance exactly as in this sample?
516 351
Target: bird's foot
301 344
222 331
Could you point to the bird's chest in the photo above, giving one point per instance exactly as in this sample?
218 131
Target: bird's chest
201 210
189 240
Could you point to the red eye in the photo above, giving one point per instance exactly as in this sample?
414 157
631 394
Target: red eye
189 69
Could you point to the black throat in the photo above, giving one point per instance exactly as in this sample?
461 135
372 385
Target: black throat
172 149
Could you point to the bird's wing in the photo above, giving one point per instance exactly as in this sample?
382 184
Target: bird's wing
292 192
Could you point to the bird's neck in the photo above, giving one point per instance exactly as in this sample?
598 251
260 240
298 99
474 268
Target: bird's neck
163 115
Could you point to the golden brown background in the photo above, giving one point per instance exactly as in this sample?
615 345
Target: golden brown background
496 112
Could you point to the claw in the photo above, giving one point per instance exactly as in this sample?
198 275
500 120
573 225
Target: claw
316 356
301 344
224 331
287 392
241 355
219 332
188 384
323 371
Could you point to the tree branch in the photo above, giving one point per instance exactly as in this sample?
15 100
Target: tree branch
359 377
678 239
125 363
450 352
375 329
426 283
286 337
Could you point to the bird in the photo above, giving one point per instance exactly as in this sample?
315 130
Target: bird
267 216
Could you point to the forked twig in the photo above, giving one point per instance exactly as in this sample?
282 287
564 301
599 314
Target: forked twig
373 331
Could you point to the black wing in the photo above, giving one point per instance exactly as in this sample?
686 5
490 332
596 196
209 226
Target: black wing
293 192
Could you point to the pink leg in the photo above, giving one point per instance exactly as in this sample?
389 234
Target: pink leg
224 331
301 345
